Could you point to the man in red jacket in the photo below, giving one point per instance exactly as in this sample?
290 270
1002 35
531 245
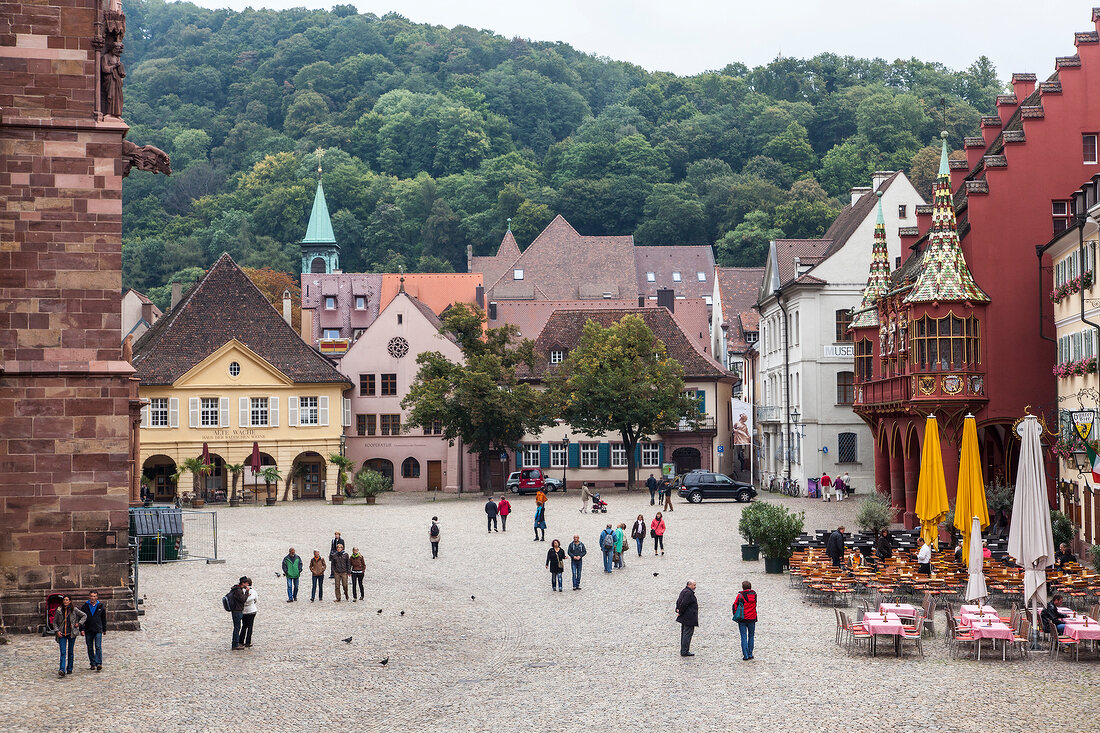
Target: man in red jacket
746 624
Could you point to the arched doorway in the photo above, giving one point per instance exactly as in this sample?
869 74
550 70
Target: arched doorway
211 487
157 472
686 459
382 466
252 484
309 475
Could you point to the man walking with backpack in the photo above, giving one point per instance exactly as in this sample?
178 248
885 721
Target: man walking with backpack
607 544
433 537
234 603
292 569
744 613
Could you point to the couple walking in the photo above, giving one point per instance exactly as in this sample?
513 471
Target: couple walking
744 614
555 562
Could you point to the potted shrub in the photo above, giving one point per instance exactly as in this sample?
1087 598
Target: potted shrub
874 514
343 467
271 475
198 470
235 470
370 484
1061 528
779 527
749 527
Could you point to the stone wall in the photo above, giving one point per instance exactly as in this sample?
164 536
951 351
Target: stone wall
67 400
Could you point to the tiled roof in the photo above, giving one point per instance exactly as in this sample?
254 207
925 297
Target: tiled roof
738 288
530 316
345 286
564 265
564 327
226 305
663 261
492 267
852 215
807 251
437 290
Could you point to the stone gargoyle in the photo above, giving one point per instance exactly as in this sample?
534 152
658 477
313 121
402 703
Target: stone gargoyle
145 158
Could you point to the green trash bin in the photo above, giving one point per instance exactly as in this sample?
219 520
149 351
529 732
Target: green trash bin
159 532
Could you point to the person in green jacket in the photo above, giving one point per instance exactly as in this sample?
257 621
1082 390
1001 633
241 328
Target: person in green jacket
292 569
620 539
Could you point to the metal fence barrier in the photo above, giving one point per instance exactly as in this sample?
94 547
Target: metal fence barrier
167 534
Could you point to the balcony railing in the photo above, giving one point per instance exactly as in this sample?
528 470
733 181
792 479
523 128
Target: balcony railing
705 423
922 387
769 413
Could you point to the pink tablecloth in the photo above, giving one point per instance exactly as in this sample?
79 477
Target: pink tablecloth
973 608
969 619
996 630
878 623
1076 629
906 610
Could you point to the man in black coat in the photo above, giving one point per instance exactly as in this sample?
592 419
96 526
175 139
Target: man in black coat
687 614
237 596
94 628
834 548
651 484
491 511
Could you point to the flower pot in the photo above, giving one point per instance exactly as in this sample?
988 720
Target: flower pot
198 503
774 565
370 499
750 552
270 501
337 499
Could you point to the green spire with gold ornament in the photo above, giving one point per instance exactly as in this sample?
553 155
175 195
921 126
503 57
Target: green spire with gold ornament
944 275
878 281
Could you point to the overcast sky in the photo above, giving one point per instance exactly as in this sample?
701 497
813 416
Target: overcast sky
689 36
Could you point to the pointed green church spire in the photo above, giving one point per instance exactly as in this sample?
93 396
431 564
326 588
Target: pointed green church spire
944 275
878 280
319 230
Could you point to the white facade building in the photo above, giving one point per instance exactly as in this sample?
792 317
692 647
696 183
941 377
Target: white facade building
806 361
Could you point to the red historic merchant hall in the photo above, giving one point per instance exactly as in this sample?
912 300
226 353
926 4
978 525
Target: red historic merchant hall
958 327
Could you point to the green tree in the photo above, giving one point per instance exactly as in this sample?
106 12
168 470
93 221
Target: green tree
481 400
747 244
673 213
620 379
792 147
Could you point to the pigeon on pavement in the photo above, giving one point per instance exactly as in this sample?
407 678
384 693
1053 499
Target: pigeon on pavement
347 640
385 661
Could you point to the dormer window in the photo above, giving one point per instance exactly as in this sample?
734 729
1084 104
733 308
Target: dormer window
330 302
557 356
701 276
517 274
651 277
676 277
751 337
360 303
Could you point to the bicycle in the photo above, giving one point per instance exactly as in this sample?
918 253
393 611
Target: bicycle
791 487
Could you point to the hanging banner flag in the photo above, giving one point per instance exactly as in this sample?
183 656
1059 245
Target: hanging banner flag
742 422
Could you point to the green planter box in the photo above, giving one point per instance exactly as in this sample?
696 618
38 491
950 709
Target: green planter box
750 553
774 565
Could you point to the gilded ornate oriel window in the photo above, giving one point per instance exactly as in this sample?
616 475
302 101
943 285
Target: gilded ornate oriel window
864 369
945 344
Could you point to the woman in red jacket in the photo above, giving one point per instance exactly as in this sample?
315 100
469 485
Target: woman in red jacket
503 509
657 531
746 624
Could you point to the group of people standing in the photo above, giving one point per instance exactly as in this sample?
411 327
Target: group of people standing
744 615
660 489
69 622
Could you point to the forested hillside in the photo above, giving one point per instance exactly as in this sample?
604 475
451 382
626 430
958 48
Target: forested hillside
435 137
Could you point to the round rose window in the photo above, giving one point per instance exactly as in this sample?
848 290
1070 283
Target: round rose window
398 347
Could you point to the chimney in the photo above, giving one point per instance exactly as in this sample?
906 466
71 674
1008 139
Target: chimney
286 309
177 294
991 128
147 313
479 296
878 177
641 301
1023 85
667 298
1006 105
857 193
469 258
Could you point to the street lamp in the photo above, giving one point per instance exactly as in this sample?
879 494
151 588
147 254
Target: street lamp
565 462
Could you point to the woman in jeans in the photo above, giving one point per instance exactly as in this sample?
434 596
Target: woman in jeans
746 625
358 568
67 620
638 533
248 614
317 570
555 561
657 529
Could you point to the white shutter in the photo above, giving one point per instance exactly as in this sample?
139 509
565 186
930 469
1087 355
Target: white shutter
273 411
347 413
193 412
173 412
322 410
145 416
244 415
223 412
292 411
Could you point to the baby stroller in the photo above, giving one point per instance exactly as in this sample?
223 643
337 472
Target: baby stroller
598 504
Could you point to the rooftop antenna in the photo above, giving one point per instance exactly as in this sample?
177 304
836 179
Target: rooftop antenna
943 106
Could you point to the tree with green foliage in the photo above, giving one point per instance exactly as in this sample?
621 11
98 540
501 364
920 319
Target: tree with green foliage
620 379
747 244
480 400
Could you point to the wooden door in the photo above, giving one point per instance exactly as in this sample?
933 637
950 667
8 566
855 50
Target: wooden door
435 475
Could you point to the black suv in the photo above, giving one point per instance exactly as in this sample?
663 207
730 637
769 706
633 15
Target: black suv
699 485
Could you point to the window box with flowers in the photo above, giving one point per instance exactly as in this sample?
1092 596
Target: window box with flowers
1078 368
1068 288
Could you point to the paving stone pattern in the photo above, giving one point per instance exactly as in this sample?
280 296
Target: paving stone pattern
517 657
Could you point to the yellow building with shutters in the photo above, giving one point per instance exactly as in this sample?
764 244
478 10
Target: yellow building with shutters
224 370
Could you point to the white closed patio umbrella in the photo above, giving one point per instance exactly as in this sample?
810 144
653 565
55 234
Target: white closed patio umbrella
975 586
1030 539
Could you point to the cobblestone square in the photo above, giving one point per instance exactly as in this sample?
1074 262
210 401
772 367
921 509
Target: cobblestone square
484 645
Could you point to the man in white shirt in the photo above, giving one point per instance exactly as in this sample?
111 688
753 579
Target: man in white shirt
924 557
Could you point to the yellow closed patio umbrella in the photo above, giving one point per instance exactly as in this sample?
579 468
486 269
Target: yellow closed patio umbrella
931 488
970 497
